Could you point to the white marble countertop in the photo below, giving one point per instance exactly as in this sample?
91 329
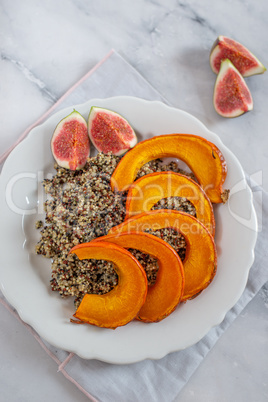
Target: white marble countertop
45 48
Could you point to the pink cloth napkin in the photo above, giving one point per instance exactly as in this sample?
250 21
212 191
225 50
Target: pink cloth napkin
147 380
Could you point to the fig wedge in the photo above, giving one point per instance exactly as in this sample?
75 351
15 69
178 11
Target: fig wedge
109 131
70 144
164 296
200 263
202 156
243 60
123 302
232 98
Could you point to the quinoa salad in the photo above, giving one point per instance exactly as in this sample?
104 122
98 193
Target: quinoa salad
81 206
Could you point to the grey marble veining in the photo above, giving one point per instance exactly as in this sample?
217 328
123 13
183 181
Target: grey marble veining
45 47
32 78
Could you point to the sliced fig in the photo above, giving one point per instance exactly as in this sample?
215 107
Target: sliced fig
245 62
110 132
70 143
231 94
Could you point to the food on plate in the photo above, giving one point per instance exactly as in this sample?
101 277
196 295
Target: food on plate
122 304
166 293
147 191
128 249
243 60
200 263
110 132
203 158
231 94
80 207
70 144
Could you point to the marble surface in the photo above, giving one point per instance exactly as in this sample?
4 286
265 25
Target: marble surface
45 48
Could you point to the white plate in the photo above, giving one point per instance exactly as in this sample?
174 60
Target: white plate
25 276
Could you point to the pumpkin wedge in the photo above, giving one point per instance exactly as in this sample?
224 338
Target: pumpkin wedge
200 261
203 158
164 296
123 302
145 192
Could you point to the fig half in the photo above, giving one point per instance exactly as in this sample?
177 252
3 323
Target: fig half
110 132
231 94
70 144
245 62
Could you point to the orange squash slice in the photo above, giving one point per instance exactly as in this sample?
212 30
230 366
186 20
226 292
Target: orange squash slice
164 296
124 301
200 261
203 158
149 189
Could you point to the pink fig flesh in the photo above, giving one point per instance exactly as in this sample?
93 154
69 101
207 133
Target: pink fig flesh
110 132
70 142
244 61
231 94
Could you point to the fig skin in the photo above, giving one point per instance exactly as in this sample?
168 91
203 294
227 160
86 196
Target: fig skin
232 97
245 61
110 132
70 143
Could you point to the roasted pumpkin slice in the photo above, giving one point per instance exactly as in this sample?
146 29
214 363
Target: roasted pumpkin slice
200 261
162 297
145 192
124 301
203 158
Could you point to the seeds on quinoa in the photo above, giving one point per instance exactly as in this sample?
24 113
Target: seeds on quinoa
173 238
157 165
80 207
39 224
176 203
149 264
